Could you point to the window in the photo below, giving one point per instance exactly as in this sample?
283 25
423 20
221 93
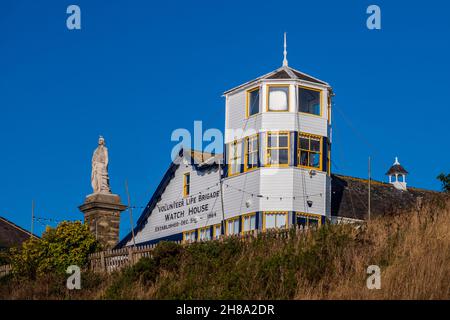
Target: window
308 220
204 234
189 236
251 152
186 184
309 101
278 98
275 220
277 149
235 158
232 226
217 231
248 222
252 102
310 151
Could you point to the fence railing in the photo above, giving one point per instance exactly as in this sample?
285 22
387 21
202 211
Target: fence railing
5 270
114 260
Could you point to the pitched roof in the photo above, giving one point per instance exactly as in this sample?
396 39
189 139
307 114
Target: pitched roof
396 169
11 235
284 72
349 197
200 160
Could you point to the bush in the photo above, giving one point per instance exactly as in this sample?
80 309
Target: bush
69 243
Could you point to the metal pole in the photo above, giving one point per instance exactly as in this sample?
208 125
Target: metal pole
368 206
131 212
221 197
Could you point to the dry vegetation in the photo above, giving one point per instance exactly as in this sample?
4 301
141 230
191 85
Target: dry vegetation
411 248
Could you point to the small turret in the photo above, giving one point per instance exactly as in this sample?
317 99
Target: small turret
397 175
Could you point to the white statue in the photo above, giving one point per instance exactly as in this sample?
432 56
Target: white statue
99 176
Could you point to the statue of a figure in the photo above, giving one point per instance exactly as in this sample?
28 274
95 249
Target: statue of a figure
99 176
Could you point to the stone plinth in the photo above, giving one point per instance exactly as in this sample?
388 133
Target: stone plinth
102 214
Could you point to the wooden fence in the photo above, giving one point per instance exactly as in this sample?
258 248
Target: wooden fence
5 270
114 260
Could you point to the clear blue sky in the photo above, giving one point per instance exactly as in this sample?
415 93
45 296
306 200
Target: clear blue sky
137 70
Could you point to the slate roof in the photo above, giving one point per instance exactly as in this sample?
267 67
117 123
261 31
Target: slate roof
349 197
396 169
284 72
11 235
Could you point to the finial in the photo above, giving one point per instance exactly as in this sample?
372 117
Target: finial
285 62
396 161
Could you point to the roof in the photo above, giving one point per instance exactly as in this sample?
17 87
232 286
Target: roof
349 197
284 72
396 169
200 160
11 235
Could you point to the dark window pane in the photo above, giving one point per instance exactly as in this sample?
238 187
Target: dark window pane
314 160
253 102
304 143
283 156
309 101
283 140
303 158
301 221
315 145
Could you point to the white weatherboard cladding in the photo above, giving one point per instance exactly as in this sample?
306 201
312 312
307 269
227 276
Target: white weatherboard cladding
278 185
200 180
238 202
312 186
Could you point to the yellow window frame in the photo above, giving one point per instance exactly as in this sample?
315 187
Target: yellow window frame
288 96
247 153
308 216
321 101
186 184
287 133
247 103
202 229
299 150
252 214
187 232
236 157
226 224
286 213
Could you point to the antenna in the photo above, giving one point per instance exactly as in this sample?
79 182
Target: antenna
131 212
32 217
285 62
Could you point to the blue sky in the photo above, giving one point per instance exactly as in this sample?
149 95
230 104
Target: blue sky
137 70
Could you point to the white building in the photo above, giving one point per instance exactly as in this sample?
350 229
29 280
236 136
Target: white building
276 171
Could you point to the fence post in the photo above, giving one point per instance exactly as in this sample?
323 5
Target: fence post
130 256
102 260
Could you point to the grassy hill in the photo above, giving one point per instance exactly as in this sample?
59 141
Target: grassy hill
411 248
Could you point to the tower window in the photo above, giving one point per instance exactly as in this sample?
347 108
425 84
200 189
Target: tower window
251 152
275 220
204 234
186 184
232 226
309 101
277 149
252 102
234 158
310 151
248 222
278 98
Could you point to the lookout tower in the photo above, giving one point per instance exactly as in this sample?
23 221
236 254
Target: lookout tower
397 175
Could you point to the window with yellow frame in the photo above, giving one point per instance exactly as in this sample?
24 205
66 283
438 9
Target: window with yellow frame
232 226
310 151
248 222
204 234
307 220
310 101
277 98
189 236
234 158
275 220
186 184
277 149
252 107
251 152
217 231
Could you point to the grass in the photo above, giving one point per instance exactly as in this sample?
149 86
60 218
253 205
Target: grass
411 248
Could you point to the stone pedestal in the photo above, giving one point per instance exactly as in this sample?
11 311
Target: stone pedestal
102 214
